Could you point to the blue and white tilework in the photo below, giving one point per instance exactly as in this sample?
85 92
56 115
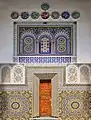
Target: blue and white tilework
32 39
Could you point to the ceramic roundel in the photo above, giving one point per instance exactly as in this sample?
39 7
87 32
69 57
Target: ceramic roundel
45 6
28 48
24 15
65 15
61 48
14 15
55 15
75 15
61 40
35 15
45 15
28 40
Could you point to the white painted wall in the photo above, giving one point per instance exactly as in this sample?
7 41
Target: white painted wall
83 28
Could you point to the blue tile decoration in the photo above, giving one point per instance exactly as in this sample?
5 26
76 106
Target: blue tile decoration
44 44
44 39
45 60
65 15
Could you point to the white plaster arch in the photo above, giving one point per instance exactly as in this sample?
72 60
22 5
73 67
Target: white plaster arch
85 75
1 68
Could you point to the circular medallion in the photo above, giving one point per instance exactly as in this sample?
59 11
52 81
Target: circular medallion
61 48
24 15
28 48
72 70
28 40
75 105
14 15
65 15
35 15
45 6
15 105
45 15
72 78
61 40
55 15
75 15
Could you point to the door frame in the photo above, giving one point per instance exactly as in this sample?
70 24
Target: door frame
54 82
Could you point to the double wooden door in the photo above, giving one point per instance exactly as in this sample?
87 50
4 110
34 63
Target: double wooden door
45 98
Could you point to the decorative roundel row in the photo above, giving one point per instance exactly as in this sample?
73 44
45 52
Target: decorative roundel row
45 15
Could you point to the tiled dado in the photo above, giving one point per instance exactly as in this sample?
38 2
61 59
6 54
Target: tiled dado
15 105
74 105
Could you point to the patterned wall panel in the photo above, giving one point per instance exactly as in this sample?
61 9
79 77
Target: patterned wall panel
12 74
78 74
18 74
75 105
15 105
63 41
50 38
72 74
26 43
45 45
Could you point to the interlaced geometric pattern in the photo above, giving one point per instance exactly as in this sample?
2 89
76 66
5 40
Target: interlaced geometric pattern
45 45
15 105
72 74
78 74
50 39
75 105
18 75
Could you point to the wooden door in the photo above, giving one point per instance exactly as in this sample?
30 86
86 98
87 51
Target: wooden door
45 98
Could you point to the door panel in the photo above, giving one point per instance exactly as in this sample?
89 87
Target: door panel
45 98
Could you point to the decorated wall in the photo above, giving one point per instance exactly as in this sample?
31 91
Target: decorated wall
39 42
83 23
70 100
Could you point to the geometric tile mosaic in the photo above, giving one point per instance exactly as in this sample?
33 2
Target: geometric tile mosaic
15 105
75 105
50 38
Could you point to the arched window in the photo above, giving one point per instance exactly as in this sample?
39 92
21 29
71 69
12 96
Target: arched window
72 74
18 74
5 74
84 74
27 44
44 45
63 43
